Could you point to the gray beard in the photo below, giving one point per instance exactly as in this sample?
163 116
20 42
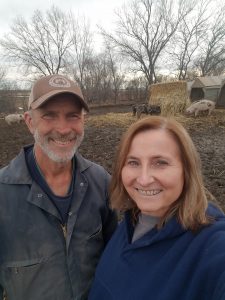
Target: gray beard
44 145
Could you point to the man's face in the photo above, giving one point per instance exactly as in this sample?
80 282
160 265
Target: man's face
57 127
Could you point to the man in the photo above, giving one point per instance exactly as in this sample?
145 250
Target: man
54 213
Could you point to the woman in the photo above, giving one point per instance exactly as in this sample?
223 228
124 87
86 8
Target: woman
171 243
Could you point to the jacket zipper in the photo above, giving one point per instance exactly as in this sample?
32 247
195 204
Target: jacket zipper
64 229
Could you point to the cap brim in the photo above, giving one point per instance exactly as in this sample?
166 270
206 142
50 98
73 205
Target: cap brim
48 96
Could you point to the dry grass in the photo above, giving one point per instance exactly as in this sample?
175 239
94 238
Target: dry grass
217 118
124 120
115 119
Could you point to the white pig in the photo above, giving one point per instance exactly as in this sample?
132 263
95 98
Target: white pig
13 118
202 105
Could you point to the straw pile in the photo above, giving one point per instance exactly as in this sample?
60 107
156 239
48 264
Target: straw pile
172 97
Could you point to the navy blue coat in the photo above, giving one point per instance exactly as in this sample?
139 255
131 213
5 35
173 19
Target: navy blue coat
167 264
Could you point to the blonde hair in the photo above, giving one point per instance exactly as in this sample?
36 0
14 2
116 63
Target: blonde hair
190 208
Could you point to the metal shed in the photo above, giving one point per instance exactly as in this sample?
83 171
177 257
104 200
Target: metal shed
189 87
221 98
206 88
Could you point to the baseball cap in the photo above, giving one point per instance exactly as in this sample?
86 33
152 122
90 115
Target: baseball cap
52 85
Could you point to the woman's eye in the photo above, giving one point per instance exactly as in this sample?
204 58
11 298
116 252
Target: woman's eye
161 163
132 163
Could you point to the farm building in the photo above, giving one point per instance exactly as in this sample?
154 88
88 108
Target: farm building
10 100
206 88
189 87
221 98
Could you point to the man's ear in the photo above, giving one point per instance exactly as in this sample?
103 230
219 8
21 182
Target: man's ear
86 116
29 121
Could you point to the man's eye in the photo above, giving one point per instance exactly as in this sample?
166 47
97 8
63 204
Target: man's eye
48 116
75 116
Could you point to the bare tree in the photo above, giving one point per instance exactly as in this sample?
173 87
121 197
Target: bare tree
116 78
143 30
7 93
40 46
188 37
82 48
101 79
98 79
2 74
211 58
137 89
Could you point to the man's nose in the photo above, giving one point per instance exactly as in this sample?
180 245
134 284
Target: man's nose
62 126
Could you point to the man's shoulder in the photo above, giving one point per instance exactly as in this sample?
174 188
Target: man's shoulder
16 171
86 164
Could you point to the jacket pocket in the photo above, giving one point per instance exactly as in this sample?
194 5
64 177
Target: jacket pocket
19 276
96 233
17 266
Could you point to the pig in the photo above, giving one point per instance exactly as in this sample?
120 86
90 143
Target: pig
139 109
154 110
134 109
202 105
14 118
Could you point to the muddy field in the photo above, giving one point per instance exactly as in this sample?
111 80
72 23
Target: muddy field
103 132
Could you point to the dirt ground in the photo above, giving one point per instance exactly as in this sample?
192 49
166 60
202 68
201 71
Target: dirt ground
103 132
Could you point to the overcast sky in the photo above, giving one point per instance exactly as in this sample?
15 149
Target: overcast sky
98 11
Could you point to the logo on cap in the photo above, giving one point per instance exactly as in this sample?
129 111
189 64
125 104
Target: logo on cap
60 82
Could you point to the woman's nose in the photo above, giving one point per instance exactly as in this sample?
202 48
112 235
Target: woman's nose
145 177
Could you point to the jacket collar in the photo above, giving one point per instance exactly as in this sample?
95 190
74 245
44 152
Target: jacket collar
171 230
16 172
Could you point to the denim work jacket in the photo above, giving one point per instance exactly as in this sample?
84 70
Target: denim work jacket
39 258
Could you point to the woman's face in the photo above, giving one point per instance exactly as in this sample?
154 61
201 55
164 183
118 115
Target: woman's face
153 173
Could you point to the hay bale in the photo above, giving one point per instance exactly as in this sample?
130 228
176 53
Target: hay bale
172 97
171 108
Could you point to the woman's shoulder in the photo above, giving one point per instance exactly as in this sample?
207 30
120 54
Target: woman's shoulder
215 231
215 211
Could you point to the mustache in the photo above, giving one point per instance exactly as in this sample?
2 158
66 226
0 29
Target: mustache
64 137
